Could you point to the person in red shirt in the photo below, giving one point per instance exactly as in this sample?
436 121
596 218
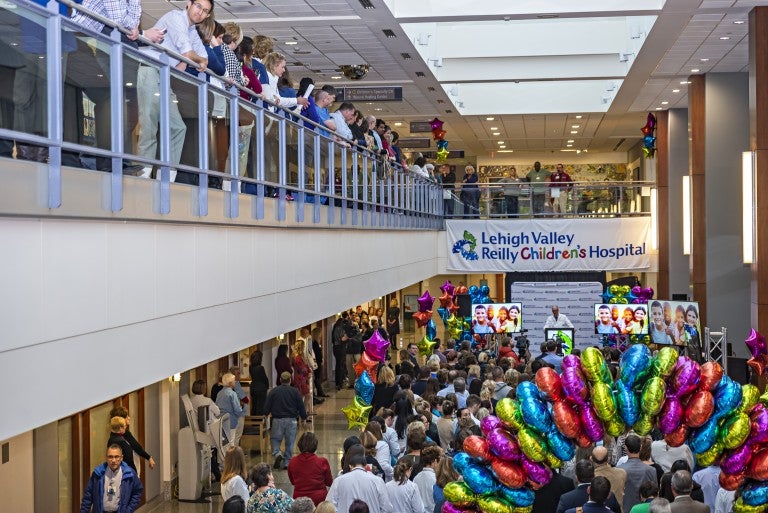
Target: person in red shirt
560 187
309 474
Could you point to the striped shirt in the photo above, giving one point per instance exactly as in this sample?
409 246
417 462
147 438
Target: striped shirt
126 13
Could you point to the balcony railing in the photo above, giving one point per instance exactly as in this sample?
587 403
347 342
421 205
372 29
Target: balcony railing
82 109
494 200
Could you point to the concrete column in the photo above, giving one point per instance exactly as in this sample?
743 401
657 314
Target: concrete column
678 265
719 121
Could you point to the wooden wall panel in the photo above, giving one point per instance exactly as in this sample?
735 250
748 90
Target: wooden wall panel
697 121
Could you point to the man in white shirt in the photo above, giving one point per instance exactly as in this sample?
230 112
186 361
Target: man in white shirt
556 320
343 116
359 484
708 478
426 479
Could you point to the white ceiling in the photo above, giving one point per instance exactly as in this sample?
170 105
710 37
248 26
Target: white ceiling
475 57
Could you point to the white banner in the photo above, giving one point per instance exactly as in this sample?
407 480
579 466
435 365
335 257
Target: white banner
549 245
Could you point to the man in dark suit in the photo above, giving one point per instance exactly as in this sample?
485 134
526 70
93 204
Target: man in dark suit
546 498
585 473
682 484
599 490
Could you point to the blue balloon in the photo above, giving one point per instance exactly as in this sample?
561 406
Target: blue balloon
480 479
535 412
466 336
364 387
627 403
461 460
755 494
519 497
635 364
485 290
703 438
727 397
472 290
444 314
431 330
560 446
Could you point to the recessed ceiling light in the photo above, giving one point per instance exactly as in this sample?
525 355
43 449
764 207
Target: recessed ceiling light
506 151
665 103
658 108
704 59
336 77
570 140
494 128
739 22
100 75
578 117
398 124
502 147
574 131
683 82
378 109
695 70
496 133
489 119
575 126
291 42
569 145
675 90
500 142
724 38
129 84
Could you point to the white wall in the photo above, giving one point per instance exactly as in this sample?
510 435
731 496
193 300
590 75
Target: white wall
113 306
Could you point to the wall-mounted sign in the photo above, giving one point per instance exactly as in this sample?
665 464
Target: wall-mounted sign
369 94
420 127
415 142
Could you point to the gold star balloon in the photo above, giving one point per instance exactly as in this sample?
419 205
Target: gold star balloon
426 346
357 413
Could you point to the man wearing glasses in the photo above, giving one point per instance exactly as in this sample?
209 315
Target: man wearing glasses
113 486
181 37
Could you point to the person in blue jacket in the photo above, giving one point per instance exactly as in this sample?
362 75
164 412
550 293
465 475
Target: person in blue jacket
113 486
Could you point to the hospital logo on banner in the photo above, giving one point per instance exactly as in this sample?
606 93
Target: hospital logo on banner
550 245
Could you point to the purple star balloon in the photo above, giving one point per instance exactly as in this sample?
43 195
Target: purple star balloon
447 288
756 343
425 302
377 346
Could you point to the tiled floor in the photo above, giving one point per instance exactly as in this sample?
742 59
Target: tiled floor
329 425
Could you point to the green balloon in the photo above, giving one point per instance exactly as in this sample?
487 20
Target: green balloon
508 410
653 396
665 361
644 425
734 431
460 494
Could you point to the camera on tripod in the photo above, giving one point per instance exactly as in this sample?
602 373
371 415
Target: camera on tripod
521 342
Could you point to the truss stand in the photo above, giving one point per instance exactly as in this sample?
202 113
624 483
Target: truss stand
716 347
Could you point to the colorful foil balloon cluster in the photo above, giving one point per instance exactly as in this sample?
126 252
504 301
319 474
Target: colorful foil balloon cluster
424 318
624 295
723 423
649 140
759 350
366 370
439 135
457 328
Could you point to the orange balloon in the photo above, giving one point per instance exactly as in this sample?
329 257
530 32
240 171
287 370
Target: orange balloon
677 437
758 466
731 482
368 364
711 374
565 417
699 408
445 300
583 440
549 382
461 289
510 474
477 447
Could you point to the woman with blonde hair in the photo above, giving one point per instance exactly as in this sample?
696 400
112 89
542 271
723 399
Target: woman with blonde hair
383 454
401 491
302 373
444 474
325 507
233 476
385 389
470 193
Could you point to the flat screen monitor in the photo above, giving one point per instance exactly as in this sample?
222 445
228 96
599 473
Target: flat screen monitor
673 322
615 319
497 318
563 337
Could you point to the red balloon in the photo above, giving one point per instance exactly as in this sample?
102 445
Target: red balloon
731 482
477 447
647 130
422 318
566 419
510 474
711 374
758 465
550 384
534 485
461 289
758 364
699 408
438 134
453 308
582 440
368 364
677 437
445 300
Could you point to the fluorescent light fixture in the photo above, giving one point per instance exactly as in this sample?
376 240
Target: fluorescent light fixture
739 22
570 140
489 119
654 220
574 131
725 38
687 235
683 82
502 147
704 59
748 206
665 103
575 126
695 70
336 77
496 133
675 90
569 145
500 142
398 124
494 128
579 116
291 42
506 151
659 108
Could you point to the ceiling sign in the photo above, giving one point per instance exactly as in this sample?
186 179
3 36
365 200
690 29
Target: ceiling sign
415 142
420 127
369 94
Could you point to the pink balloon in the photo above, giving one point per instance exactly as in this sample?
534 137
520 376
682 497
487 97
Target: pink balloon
737 460
685 378
647 292
571 361
759 429
593 428
425 302
503 445
575 385
637 290
756 343
377 347
537 472
490 423
449 507
671 415
447 288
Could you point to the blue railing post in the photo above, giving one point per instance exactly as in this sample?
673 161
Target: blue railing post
165 135
366 192
331 182
302 185
317 140
355 184
202 145
55 105
232 198
344 191
116 98
259 165
281 168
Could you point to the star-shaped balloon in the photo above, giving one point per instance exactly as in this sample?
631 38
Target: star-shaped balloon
759 364
366 363
357 413
377 347
364 387
436 124
422 318
442 154
445 300
443 313
646 130
651 121
425 302
448 288
431 329
425 346
756 343
442 144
